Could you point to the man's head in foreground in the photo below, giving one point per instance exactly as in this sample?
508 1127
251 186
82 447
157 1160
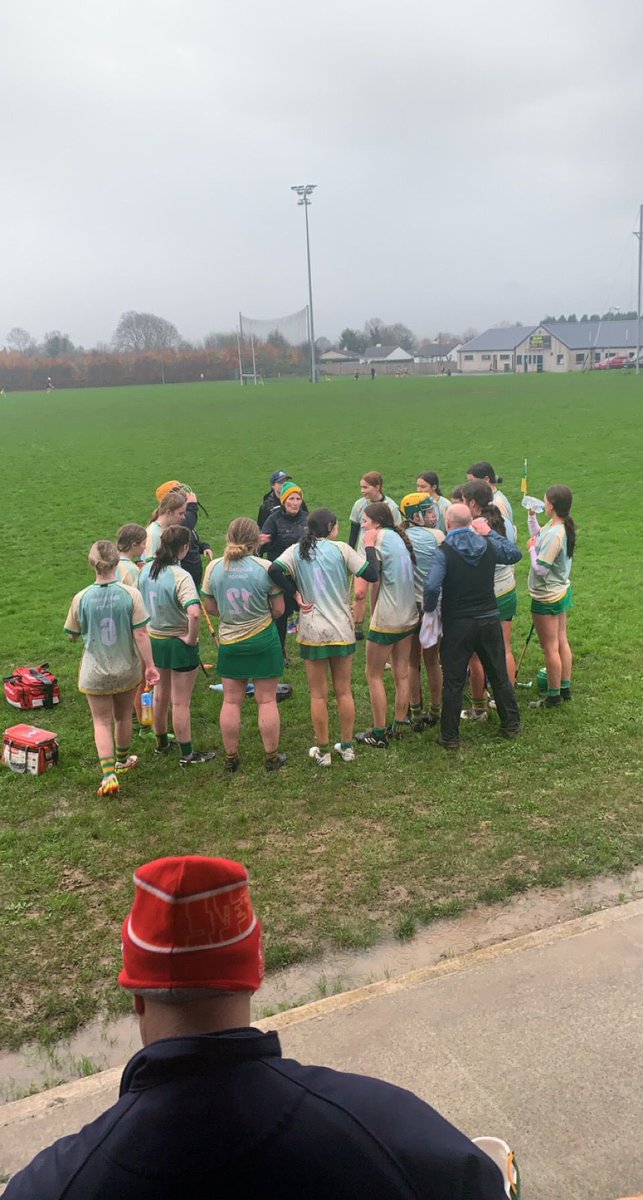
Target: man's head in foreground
192 947
458 516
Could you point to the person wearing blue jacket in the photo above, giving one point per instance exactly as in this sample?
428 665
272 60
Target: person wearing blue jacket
463 569
210 1108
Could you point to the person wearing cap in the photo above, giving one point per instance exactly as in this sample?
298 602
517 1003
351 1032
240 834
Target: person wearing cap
210 1108
272 499
284 527
420 519
192 561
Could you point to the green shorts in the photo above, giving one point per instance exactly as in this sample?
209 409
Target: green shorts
508 605
315 653
258 657
543 609
171 654
389 639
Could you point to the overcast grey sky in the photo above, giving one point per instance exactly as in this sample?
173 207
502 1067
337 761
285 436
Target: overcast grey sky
475 161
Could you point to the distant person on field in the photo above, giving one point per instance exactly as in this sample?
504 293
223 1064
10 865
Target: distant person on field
210 1108
112 620
372 372
463 569
238 589
50 387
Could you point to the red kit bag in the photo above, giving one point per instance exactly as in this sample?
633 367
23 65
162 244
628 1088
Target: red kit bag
32 687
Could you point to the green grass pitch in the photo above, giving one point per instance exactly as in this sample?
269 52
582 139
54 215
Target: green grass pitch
345 856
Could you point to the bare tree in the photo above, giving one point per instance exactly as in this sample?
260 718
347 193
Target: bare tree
20 340
469 334
144 331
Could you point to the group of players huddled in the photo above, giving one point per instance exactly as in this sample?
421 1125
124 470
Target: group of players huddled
288 570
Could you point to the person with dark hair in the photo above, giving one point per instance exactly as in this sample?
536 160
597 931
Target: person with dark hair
320 569
462 570
210 1108
394 618
484 471
172 599
238 590
425 537
478 497
429 483
551 550
112 620
130 541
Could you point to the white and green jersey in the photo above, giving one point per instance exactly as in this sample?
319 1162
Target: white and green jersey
501 501
357 512
551 552
325 582
242 592
395 608
127 571
442 504
504 576
153 541
105 614
168 598
425 543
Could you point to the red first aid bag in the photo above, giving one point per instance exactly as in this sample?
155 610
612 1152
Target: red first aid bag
32 687
29 750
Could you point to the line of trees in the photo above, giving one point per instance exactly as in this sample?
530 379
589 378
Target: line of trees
610 315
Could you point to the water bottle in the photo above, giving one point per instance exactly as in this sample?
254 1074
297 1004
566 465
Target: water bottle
147 700
541 680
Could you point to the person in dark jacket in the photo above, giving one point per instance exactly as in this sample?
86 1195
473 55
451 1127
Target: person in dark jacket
284 527
209 1107
272 499
192 561
463 568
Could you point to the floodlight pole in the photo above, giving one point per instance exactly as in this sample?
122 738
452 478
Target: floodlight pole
304 191
639 235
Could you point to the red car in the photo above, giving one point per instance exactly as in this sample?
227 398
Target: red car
607 364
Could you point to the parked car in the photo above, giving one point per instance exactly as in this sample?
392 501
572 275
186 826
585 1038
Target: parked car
613 363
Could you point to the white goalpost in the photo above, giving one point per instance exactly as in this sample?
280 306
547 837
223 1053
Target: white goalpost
256 333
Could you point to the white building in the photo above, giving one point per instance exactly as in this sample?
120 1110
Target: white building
551 346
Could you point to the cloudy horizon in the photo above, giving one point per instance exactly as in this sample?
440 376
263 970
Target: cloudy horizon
474 163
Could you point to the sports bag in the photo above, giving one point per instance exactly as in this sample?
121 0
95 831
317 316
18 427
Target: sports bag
32 687
28 750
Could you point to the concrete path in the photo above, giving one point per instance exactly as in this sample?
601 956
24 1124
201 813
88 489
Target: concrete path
538 1040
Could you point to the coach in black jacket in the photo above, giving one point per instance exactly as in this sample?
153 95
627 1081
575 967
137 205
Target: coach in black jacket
209 1107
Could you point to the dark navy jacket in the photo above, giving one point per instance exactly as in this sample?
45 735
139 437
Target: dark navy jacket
223 1115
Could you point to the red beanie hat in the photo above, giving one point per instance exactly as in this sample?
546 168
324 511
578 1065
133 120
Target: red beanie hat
192 925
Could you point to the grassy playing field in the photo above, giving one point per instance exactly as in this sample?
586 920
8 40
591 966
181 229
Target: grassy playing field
343 856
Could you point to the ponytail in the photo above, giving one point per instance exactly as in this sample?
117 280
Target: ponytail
432 479
103 557
320 524
173 539
170 503
382 515
560 497
243 539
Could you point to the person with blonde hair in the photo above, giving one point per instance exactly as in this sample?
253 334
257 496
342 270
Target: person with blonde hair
238 589
112 620
170 510
173 602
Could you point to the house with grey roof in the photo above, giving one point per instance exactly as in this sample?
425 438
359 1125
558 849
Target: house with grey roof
385 354
550 346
